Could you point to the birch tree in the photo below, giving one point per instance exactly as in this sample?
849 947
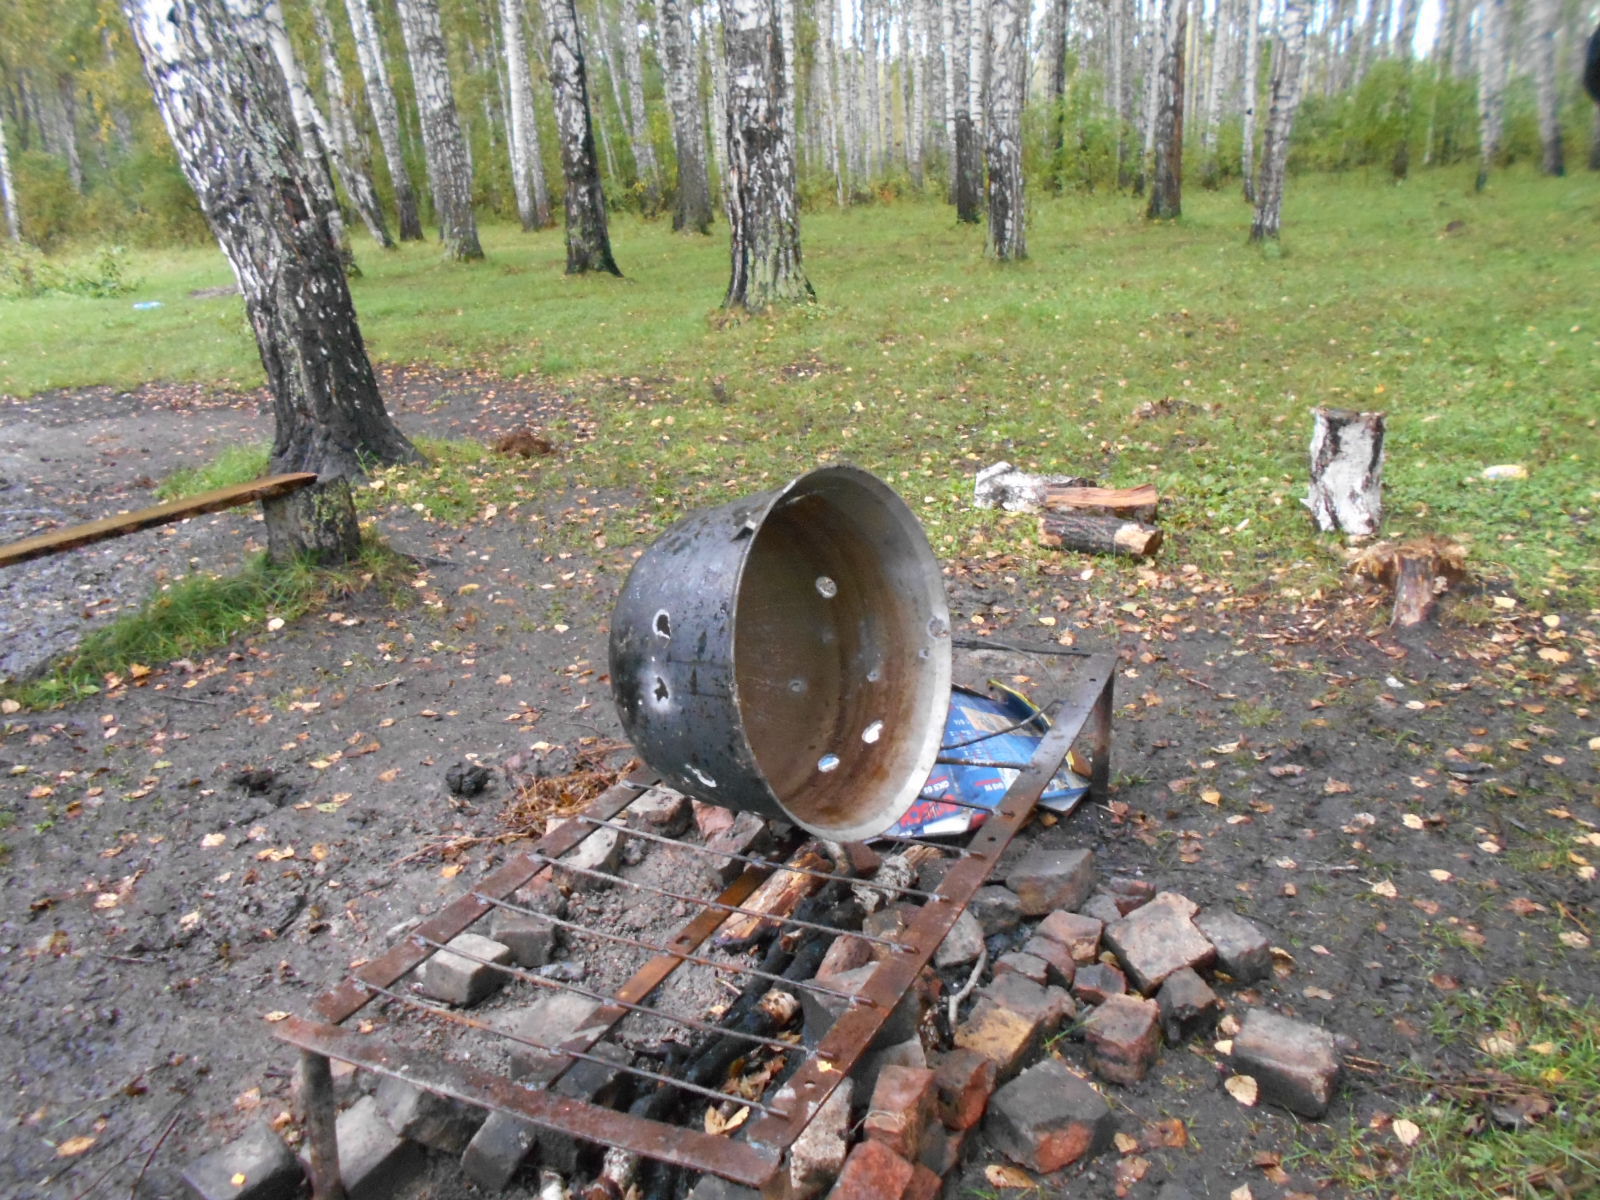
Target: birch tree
1400 166
226 108
1007 65
691 212
1249 96
1166 176
763 211
644 151
588 231
385 115
8 185
527 156
1288 65
1491 86
344 141
444 145
969 161
1546 21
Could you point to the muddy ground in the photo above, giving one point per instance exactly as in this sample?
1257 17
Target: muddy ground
1411 820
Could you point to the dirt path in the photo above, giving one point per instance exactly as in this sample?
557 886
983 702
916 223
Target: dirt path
1402 819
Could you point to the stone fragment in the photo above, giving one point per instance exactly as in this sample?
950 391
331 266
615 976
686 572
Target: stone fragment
497 1150
455 974
1173 1190
374 1161
589 865
818 1154
962 944
903 1103
997 909
1154 941
1189 1008
530 936
1052 1005
661 811
964 1080
1049 1117
549 1021
1123 1036
1243 950
438 1122
909 1053
1097 982
846 953
747 833
1129 892
820 1010
1004 1037
1045 880
265 1167
1026 965
1078 933
888 923
872 1172
1295 1064
1059 967
1102 907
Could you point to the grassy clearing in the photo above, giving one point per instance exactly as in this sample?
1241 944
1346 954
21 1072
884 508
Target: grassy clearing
1521 1122
198 613
1123 350
235 465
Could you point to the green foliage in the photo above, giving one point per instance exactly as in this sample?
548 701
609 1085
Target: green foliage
26 273
235 465
1529 1052
199 613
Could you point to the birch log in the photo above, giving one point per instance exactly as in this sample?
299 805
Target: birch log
1346 471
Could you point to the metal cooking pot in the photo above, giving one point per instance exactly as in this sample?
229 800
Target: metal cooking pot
789 654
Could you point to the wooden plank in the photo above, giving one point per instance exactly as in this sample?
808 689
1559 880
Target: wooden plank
74 536
1143 496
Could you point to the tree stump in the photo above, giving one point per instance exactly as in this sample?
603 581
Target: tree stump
1346 472
317 522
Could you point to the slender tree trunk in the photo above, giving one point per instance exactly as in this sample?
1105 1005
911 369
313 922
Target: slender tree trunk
449 168
1288 64
763 212
385 115
67 120
1221 39
8 186
1166 177
1249 91
1153 26
527 157
1401 164
917 114
1546 21
827 93
240 156
1007 234
969 161
588 234
1491 86
1055 56
343 140
644 150
692 208
954 87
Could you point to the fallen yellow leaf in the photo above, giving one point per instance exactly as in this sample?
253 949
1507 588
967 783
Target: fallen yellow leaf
1003 1175
74 1146
1243 1088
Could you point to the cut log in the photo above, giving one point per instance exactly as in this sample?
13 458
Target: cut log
778 897
1346 471
148 518
1003 486
1138 503
1098 534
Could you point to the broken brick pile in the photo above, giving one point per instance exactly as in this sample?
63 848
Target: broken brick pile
1114 963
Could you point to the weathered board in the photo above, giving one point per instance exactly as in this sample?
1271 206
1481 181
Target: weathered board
74 536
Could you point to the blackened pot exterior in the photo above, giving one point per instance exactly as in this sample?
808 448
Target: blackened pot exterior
789 654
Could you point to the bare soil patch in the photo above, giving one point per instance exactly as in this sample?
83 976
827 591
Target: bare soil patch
1408 820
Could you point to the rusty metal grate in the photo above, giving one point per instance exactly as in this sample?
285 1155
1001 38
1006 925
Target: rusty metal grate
450 1052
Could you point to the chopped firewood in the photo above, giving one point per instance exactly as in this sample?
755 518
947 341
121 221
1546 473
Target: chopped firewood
1418 572
777 897
1098 534
1138 503
1346 493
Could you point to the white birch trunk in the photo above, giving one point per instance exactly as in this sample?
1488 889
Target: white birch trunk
692 205
719 104
1491 86
526 155
8 186
1220 40
1546 21
385 115
786 26
644 150
1166 170
917 132
1288 63
827 92
1401 165
1007 62
588 230
1248 95
948 33
449 168
343 139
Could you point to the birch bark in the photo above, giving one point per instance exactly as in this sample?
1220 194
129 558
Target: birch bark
691 211
445 147
343 140
1166 175
1249 94
1288 63
1007 233
1546 20
969 162
1491 86
644 150
588 233
8 186
385 115
527 156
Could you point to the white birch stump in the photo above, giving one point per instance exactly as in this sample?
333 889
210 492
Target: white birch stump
1346 472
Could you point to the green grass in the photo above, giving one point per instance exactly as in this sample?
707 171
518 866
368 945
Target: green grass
923 362
235 465
1530 1051
198 613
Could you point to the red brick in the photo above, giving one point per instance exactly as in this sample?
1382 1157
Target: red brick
925 1185
964 1080
942 1148
1295 1064
1049 1117
873 1172
1016 962
846 954
903 1102
1097 982
1078 933
1059 965
1004 1037
1158 939
1124 1037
